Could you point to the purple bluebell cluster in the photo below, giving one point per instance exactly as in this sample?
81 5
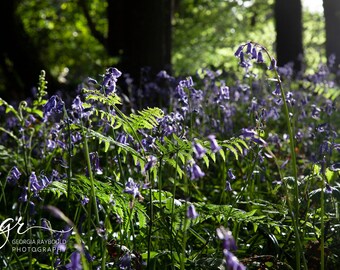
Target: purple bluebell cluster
228 245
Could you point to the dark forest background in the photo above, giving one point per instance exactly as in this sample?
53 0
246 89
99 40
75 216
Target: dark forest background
73 40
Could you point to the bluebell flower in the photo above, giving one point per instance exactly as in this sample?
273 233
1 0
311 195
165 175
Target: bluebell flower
228 241
254 53
198 150
335 167
85 200
260 57
132 188
228 186
232 262
38 184
125 261
191 212
249 47
151 162
53 105
213 144
13 176
231 176
196 172
277 91
110 79
92 81
75 263
272 65
238 51
23 196
95 163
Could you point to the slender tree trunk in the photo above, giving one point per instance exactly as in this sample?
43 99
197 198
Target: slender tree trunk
140 33
332 20
288 23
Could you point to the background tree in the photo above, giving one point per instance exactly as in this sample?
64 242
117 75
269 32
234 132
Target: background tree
288 25
332 22
19 57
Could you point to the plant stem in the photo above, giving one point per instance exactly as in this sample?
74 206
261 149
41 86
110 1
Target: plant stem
93 195
295 214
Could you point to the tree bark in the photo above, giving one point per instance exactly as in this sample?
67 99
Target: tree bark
19 58
140 32
332 22
288 23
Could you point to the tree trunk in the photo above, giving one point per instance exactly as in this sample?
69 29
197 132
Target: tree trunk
19 58
288 23
140 32
332 20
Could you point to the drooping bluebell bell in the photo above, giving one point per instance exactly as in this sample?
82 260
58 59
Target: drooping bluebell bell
228 186
239 50
125 261
110 79
249 48
228 244
198 149
232 262
95 163
213 144
335 167
75 263
38 184
152 160
191 212
231 176
254 53
228 241
196 172
277 91
53 105
260 57
272 65
13 176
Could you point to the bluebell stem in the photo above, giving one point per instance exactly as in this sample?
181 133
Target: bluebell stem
191 212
